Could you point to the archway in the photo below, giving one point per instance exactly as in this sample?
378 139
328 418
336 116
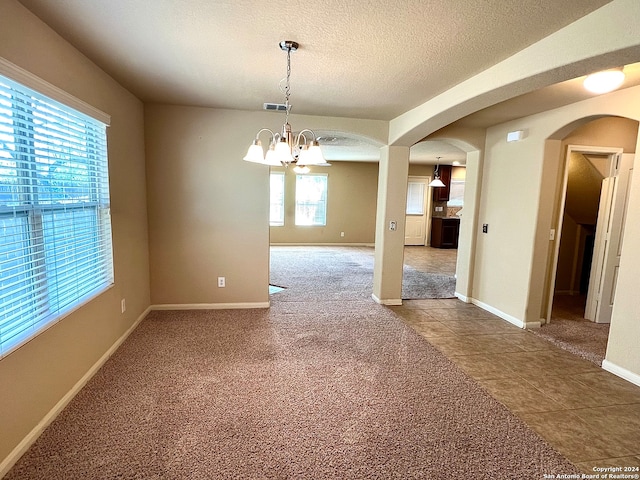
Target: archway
471 145
580 281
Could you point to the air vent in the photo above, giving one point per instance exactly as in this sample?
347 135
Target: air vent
279 107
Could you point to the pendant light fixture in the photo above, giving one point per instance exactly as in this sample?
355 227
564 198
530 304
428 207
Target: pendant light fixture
285 148
436 182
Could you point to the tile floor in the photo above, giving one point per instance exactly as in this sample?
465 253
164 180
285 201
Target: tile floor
588 414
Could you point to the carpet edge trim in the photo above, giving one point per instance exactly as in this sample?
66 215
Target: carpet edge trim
24 445
621 372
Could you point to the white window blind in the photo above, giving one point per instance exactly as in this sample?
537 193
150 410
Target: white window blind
276 194
311 199
456 193
415 198
55 226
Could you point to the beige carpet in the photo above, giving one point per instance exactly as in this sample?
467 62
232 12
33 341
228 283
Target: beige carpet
570 331
334 273
580 337
308 390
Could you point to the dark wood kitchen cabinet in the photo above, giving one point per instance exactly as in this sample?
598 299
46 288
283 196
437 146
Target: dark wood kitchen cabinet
441 194
444 232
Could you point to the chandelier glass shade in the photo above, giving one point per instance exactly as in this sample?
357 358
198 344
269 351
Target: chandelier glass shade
285 148
436 182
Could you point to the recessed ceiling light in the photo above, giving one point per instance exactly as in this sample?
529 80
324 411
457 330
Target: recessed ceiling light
605 81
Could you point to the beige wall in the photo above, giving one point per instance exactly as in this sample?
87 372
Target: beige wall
209 209
519 185
623 354
605 132
508 204
353 214
37 375
519 200
583 191
569 259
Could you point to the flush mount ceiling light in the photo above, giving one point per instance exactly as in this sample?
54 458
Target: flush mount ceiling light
436 182
605 81
285 148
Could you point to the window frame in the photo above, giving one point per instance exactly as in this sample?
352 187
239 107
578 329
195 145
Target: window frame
62 251
410 206
281 220
302 204
456 183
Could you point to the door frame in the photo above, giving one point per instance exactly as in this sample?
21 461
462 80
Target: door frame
427 205
611 152
605 283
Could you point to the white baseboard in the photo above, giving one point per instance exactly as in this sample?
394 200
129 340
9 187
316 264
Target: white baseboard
464 298
210 306
33 435
621 372
335 244
505 316
388 301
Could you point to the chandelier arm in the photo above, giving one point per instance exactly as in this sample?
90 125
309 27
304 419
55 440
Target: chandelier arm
265 130
301 134
308 130
285 148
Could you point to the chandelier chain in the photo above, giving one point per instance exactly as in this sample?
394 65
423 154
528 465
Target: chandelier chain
285 148
287 88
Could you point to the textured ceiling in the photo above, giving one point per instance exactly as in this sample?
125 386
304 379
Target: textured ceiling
374 59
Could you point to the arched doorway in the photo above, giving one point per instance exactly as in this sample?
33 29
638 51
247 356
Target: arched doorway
589 226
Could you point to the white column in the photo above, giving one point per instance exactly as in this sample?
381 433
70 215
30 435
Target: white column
390 223
469 226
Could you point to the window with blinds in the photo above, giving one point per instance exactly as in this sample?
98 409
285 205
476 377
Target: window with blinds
276 203
311 199
55 226
415 198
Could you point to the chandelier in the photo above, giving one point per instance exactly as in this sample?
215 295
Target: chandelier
285 148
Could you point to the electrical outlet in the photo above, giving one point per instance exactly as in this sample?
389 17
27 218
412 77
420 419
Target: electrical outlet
485 228
222 282
123 306
342 234
393 225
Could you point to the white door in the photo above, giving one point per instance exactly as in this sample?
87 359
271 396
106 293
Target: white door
417 211
609 237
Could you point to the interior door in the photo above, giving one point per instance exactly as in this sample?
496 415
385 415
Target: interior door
608 241
613 241
417 211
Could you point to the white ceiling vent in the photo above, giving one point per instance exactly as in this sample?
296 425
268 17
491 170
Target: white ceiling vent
275 107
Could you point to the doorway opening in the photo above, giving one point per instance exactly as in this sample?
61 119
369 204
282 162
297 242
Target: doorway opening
429 213
587 254
584 197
